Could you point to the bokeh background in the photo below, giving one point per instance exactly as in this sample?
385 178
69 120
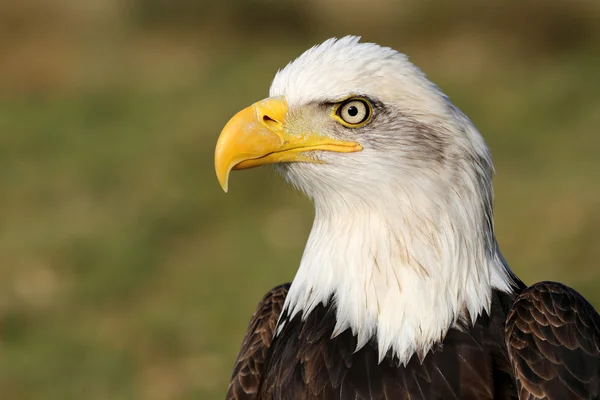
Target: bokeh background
125 271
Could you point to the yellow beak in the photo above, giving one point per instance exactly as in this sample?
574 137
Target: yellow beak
257 136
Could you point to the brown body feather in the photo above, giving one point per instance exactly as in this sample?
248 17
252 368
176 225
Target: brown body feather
250 364
551 338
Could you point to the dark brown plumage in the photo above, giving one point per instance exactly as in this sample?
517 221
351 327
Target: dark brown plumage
255 351
551 338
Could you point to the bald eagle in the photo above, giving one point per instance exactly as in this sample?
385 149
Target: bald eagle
402 292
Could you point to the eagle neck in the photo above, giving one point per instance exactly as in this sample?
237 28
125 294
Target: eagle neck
400 270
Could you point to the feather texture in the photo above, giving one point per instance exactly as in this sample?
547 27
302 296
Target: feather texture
255 351
553 338
304 362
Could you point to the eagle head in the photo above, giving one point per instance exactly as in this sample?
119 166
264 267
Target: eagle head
403 238
349 118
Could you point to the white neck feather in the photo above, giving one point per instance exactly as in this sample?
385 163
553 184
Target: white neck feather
401 268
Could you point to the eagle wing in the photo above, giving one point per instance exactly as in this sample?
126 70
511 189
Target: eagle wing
247 373
553 339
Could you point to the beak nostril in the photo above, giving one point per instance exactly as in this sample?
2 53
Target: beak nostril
268 119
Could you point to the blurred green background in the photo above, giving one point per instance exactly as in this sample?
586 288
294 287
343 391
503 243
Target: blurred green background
125 271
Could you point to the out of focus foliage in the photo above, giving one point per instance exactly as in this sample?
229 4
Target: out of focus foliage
126 273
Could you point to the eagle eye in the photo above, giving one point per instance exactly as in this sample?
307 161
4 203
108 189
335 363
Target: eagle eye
354 112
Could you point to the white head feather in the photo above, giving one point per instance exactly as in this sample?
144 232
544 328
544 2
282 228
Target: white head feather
403 237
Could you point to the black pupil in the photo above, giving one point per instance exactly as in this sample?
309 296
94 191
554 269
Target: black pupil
352 111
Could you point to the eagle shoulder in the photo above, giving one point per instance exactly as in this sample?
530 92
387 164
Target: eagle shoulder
247 373
553 339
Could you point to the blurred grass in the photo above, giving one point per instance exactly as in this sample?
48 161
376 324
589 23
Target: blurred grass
126 273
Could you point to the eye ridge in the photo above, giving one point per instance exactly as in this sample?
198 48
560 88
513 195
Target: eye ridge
354 112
